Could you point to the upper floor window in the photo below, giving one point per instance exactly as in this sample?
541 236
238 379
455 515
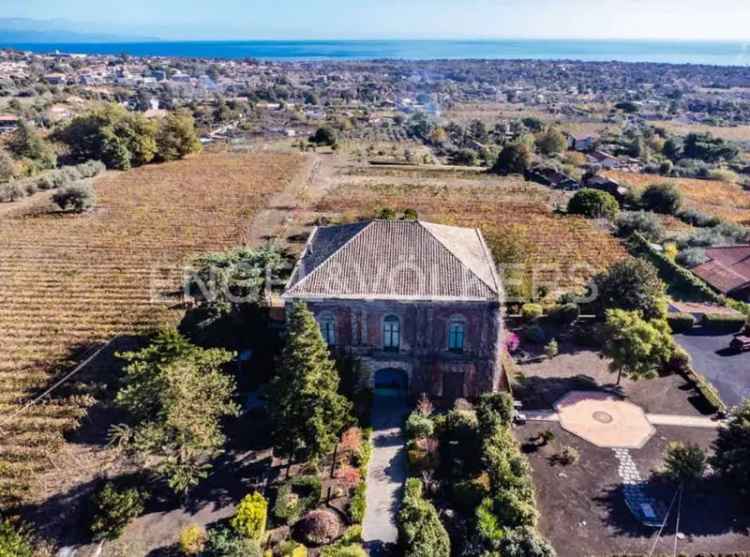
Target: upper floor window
328 329
456 336
391 333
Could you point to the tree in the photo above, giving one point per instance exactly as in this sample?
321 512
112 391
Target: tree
114 508
685 464
176 395
223 281
76 197
306 408
8 168
551 142
636 347
662 198
513 159
26 143
420 531
593 204
632 285
324 136
732 450
177 137
627 106
111 134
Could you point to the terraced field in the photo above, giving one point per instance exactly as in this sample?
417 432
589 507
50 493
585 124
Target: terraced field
564 251
69 283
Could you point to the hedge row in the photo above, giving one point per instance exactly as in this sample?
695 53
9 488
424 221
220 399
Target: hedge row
680 322
724 323
706 389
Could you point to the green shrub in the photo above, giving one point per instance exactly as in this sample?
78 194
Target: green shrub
11 192
529 312
662 198
565 314
411 214
77 198
290 549
647 224
720 323
192 539
344 550
223 542
14 542
250 517
113 508
535 334
593 204
691 257
419 426
296 497
697 218
467 495
680 322
420 531
358 504
513 510
525 542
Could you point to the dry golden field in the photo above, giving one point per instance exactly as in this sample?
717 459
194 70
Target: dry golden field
736 133
722 199
503 208
72 281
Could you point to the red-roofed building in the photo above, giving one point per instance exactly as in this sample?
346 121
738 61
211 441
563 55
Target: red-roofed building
727 270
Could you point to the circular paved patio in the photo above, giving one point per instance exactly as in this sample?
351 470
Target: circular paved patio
604 420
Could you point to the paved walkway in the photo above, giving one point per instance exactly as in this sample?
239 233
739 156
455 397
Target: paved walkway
655 419
386 474
645 508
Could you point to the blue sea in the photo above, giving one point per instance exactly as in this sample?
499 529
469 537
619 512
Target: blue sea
673 52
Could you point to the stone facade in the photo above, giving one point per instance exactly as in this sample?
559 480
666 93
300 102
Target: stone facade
423 352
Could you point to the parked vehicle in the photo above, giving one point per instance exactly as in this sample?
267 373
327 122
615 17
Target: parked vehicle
740 343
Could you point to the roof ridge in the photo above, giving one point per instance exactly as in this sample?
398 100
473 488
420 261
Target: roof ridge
330 256
491 259
454 256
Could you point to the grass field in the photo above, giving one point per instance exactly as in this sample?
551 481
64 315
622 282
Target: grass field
507 210
725 200
70 282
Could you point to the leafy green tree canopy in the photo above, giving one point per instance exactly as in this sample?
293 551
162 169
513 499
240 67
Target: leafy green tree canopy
632 285
732 450
176 395
593 204
637 347
513 159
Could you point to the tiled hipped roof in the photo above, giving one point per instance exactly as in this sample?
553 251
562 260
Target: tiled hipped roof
409 260
727 268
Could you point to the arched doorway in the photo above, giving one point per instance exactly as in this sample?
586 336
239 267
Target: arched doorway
391 383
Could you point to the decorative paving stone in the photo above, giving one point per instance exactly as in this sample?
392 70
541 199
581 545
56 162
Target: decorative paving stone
604 420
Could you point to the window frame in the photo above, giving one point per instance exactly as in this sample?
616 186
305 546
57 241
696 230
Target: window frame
327 326
453 334
391 331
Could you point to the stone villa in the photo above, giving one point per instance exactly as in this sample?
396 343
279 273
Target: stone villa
418 303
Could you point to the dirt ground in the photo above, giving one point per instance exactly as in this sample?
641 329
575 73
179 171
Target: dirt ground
583 512
544 381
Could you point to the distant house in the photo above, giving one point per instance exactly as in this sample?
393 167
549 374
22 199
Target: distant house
727 270
583 143
55 78
418 303
8 122
550 177
602 183
605 160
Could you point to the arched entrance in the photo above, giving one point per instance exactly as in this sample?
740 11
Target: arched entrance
391 382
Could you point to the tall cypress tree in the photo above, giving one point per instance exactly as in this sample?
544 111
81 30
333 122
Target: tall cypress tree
306 408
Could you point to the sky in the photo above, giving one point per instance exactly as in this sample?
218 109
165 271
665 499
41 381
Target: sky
377 19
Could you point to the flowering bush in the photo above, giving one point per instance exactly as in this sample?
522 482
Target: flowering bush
512 342
250 518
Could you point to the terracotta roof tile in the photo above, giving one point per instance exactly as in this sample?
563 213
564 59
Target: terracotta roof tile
395 260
